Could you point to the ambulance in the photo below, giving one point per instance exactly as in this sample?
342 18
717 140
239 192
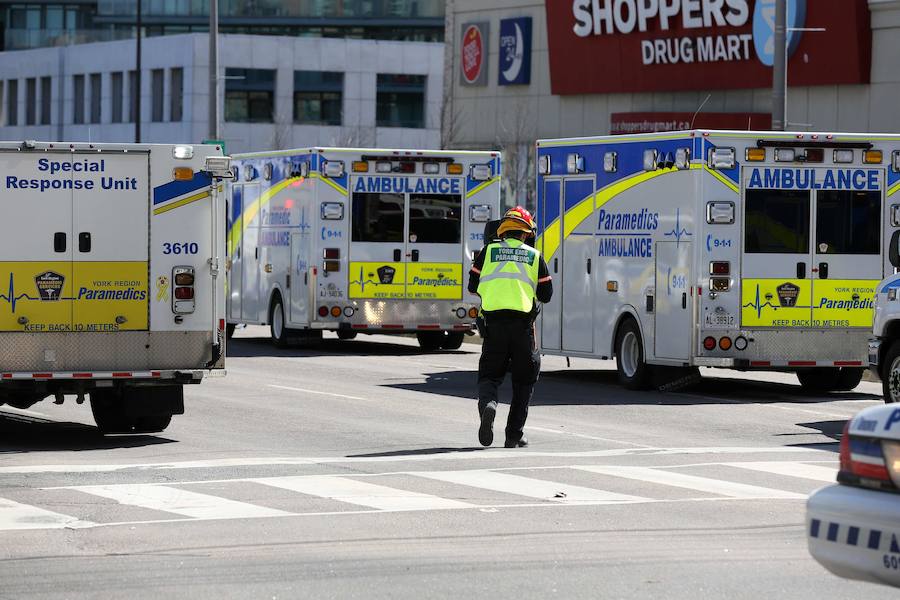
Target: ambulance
358 241
110 263
737 249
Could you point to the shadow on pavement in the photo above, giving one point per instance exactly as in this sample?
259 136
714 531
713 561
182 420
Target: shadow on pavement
420 452
255 347
831 429
21 433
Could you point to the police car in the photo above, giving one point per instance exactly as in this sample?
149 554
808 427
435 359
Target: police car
853 528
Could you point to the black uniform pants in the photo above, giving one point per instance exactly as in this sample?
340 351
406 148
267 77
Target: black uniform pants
509 343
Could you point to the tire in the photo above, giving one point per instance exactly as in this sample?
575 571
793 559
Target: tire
819 380
890 374
229 330
634 373
849 378
153 424
109 413
346 334
277 330
430 341
453 340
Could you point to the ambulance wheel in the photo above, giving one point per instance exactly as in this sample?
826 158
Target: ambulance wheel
229 330
453 340
280 334
153 424
819 380
849 378
346 334
890 374
633 372
429 341
109 414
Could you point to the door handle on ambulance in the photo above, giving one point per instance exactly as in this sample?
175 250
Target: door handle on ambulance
684 300
823 270
556 265
84 241
801 270
589 266
397 255
415 255
59 241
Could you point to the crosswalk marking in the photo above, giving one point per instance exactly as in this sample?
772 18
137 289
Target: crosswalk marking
14 515
361 493
693 482
791 469
528 487
179 501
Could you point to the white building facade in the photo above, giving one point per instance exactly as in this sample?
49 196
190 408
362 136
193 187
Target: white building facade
278 92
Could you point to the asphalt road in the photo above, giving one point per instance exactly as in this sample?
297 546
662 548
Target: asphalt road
352 470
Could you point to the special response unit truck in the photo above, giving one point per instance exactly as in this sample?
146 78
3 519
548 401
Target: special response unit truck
358 240
109 262
739 249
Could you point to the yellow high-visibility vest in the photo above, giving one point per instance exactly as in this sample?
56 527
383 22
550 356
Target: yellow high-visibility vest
509 277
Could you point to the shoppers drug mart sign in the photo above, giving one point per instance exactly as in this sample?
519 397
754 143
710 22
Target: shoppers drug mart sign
603 46
473 54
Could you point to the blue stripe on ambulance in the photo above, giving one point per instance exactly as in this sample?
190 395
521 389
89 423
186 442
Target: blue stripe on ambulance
174 189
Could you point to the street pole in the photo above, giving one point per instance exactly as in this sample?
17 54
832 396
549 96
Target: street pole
214 70
137 83
779 67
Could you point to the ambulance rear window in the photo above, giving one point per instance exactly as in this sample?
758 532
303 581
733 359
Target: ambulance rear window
777 222
848 222
377 217
434 218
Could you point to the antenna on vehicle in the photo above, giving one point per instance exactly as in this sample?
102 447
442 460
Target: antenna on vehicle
699 108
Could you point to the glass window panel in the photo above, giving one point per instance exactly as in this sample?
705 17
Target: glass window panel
377 218
176 92
78 93
156 92
46 100
118 93
55 18
96 97
30 101
434 218
848 222
777 222
400 101
133 94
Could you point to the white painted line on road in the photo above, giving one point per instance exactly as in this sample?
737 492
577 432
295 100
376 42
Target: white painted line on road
179 502
790 469
693 482
361 493
465 454
542 489
305 391
588 437
14 515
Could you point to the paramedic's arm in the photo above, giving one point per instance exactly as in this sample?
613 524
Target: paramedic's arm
475 272
544 289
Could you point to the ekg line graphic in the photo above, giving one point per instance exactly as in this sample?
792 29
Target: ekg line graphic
678 231
13 298
363 282
758 305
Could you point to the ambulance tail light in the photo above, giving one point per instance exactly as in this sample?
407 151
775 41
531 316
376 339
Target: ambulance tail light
785 155
454 169
360 166
333 168
323 311
719 284
336 311
331 253
709 343
895 161
461 313
183 295
814 155
755 154
182 173
383 166
720 213
720 267
480 172
721 158
407 167
431 168
349 311
872 157
473 313
843 155
331 266
725 343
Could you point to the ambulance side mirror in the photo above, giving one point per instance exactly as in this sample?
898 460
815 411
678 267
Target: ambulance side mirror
894 249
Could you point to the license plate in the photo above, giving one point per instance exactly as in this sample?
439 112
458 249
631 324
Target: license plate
720 319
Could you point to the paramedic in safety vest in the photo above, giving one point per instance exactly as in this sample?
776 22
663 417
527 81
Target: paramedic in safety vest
511 277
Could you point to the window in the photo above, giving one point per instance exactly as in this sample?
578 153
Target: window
377 218
250 95
12 102
156 93
318 96
176 91
96 97
78 96
400 101
118 97
777 222
848 222
434 218
46 100
30 101
133 94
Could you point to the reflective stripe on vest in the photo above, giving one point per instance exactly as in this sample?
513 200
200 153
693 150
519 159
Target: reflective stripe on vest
509 282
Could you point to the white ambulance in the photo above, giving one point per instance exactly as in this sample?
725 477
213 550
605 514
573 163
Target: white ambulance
739 249
358 240
109 263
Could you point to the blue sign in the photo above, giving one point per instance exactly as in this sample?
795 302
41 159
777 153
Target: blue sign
407 185
515 51
815 179
764 28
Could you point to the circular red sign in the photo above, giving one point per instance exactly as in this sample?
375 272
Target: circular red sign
472 54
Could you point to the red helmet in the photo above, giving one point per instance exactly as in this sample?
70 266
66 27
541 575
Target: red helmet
517 219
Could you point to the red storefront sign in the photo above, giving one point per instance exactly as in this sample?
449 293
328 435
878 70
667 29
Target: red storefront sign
472 57
610 46
648 122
